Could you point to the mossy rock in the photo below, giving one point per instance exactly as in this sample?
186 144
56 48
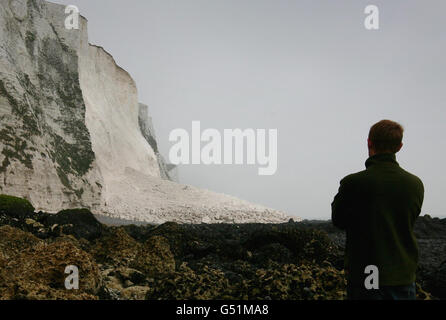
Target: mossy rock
117 248
15 207
33 269
154 257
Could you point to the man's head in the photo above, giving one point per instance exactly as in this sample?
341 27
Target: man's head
385 137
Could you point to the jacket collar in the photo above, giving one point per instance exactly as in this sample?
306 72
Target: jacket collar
381 158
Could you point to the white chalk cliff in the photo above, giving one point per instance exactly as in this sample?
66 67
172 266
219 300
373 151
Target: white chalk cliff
73 134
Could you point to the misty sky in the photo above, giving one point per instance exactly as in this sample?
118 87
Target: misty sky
308 68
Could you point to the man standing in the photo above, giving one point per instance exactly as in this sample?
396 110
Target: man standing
377 208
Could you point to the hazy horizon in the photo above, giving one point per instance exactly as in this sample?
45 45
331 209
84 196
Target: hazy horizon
307 68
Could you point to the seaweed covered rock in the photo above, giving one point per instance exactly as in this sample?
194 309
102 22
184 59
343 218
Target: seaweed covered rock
135 293
176 235
291 261
15 207
37 269
80 223
290 244
124 284
187 284
13 241
155 257
296 282
279 282
117 248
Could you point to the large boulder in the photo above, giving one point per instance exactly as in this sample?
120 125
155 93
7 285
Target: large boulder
80 223
291 244
155 257
35 269
15 207
117 248
14 241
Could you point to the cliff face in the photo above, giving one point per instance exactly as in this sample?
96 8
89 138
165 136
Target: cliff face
69 113
148 132
46 150
73 134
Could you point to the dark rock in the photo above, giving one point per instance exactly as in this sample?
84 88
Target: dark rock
155 257
80 223
128 274
274 252
132 275
180 261
106 293
117 248
13 241
440 280
139 233
302 244
435 280
15 207
430 228
34 269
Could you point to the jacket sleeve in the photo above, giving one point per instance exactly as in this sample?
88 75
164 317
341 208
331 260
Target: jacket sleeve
420 196
341 206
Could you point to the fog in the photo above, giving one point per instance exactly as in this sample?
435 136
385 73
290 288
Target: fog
309 69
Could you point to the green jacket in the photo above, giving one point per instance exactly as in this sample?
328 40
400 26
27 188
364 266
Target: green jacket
378 207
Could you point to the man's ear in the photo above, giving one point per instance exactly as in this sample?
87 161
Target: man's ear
399 148
369 144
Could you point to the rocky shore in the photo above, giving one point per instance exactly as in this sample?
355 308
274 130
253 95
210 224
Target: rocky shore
293 261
